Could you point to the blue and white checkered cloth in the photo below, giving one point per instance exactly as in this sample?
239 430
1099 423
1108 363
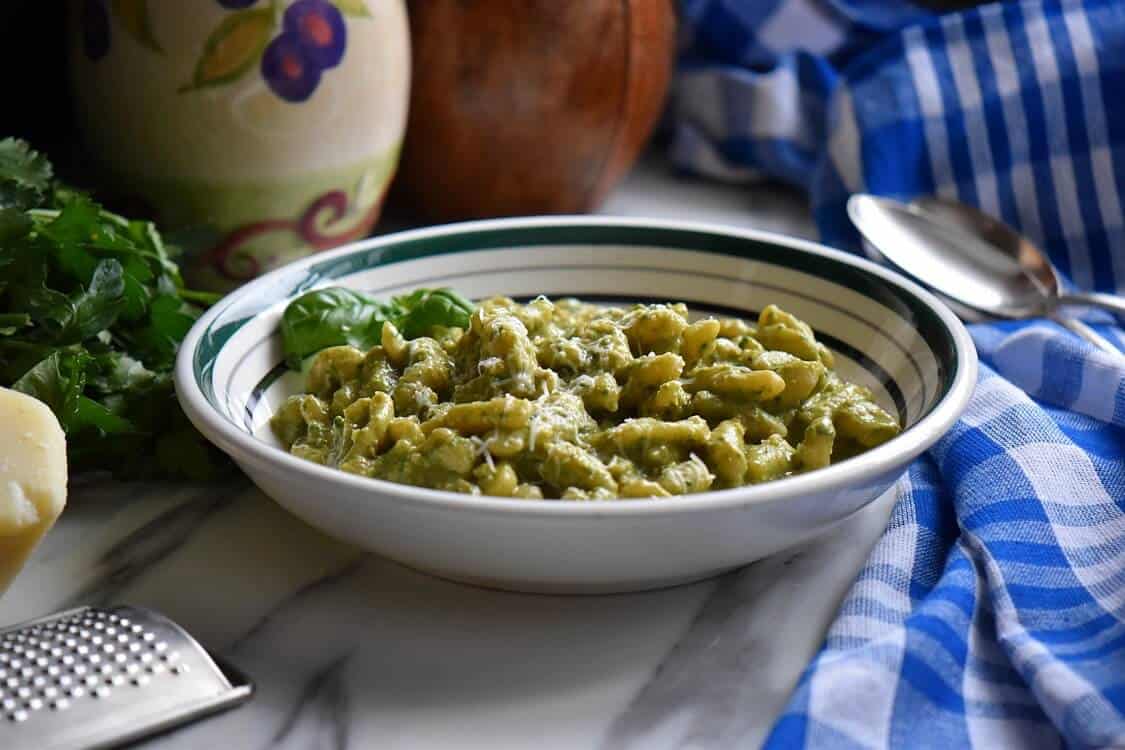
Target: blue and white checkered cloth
992 612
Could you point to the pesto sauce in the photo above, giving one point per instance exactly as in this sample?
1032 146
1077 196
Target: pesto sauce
569 400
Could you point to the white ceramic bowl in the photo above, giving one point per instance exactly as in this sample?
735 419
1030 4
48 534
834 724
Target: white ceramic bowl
886 332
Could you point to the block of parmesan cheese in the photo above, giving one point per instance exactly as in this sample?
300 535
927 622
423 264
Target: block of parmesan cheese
32 478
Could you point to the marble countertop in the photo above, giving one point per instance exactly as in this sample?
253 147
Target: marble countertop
350 650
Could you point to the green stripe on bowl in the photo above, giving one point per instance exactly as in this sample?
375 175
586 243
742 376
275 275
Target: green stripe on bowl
929 325
279 369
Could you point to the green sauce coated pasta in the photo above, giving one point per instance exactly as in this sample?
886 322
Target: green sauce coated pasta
566 400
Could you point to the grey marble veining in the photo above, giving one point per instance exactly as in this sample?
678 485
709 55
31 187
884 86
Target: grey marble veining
135 553
733 669
349 650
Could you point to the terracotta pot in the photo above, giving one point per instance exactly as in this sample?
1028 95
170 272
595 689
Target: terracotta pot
529 107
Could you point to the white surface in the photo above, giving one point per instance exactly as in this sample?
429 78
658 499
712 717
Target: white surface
350 650
653 191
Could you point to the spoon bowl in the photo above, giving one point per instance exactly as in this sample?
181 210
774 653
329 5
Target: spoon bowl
969 257
1032 261
1029 261
976 262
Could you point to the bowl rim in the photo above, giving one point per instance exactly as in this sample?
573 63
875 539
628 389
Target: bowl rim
867 466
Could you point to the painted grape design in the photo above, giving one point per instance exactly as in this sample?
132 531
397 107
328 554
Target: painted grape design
320 28
292 50
288 70
312 40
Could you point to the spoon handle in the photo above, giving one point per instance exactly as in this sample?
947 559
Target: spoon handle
1110 302
1082 330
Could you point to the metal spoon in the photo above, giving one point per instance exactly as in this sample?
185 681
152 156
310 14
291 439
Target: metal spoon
974 260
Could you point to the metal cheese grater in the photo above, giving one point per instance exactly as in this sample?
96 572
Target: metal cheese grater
96 677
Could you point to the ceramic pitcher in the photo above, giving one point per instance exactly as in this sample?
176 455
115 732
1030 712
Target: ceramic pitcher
263 130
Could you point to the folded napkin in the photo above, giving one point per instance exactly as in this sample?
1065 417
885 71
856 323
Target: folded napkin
992 611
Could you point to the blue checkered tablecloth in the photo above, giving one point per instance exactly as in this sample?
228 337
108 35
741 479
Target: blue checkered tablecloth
992 612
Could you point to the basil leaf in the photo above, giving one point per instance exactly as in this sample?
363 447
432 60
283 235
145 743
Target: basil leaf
330 317
427 308
336 316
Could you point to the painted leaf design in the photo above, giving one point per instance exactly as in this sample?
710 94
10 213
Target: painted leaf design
133 17
233 48
356 8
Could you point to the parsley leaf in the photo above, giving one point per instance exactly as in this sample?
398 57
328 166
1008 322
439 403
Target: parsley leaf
21 167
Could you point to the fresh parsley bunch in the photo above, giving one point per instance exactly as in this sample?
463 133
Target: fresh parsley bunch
92 311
